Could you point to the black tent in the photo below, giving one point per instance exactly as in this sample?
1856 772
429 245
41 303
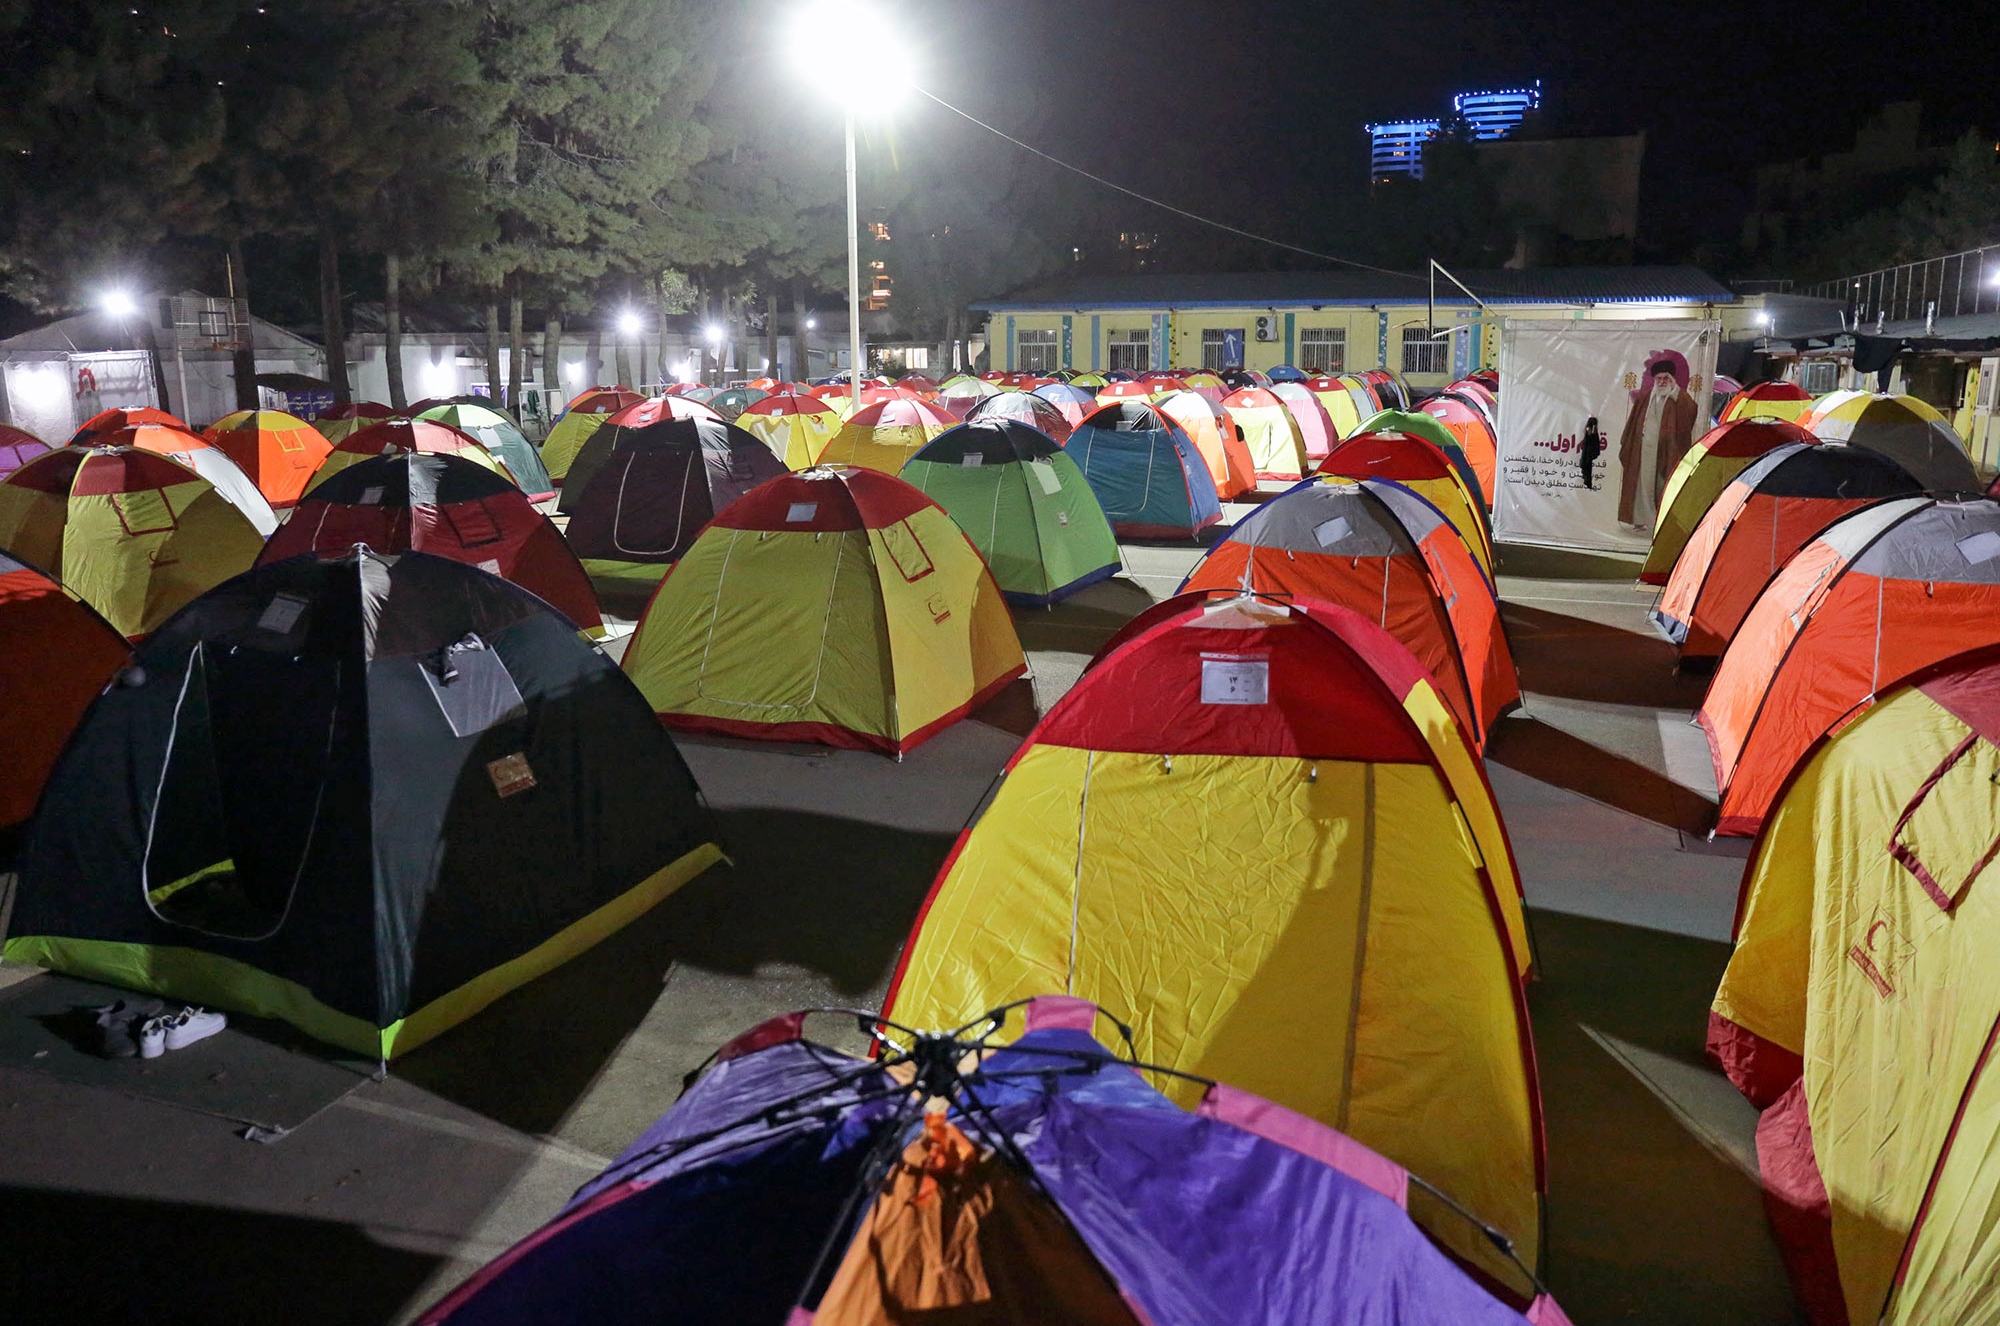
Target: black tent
644 502
367 795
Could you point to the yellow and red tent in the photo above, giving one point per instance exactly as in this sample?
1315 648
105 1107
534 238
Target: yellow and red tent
1768 400
336 423
131 533
837 605
883 436
795 428
1270 433
1254 832
278 452
1417 464
1703 474
585 416
389 436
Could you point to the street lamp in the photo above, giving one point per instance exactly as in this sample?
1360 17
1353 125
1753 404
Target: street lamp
874 73
119 305
629 324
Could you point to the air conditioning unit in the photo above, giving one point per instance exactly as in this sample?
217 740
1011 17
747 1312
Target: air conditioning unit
1267 328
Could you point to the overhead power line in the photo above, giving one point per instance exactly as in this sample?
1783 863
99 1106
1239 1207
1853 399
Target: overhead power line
1155 202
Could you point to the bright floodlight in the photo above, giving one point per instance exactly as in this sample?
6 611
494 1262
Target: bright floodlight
119 304
629 324
713 333
812 324
849 49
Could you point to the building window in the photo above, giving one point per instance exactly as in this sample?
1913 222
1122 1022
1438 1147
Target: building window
1423 353
1036 351
1221 347
1130 351
1819 376
1323 349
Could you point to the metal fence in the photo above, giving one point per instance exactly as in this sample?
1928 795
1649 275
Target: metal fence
1953 286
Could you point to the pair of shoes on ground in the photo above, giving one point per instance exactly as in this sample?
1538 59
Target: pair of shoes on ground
142 1026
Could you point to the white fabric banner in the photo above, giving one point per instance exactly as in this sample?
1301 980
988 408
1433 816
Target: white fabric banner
1630 396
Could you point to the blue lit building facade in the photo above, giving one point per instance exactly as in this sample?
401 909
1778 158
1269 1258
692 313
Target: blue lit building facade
1397 147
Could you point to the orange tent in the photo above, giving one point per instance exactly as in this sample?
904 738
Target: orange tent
1475 436
278 452
110 421
1890 589
1768 400
1716 458
1217 438
56 654
1425 470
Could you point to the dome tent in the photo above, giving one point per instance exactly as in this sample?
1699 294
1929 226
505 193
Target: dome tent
447 507
1904 429
1768 400
367 796
1025 407
18 447
1023 503
885 434
584 416
499 434
390 436
597 448
336 422
795 428
1220 797
278 452
1061 1180
836 605
204 458
642 508
1715 459
1270 432
1420 467
1148 476
1218 439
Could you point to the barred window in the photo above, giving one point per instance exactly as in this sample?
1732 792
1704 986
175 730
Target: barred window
1036 351
1323 349
1130 351
1423 353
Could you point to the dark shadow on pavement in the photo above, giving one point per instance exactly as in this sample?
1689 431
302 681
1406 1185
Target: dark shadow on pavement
1082 623
1645 1224
1530 746
1578 659
72 1257
1521 559
833 896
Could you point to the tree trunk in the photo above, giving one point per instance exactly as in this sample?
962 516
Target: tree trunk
493 351
392 329
552 383
244 360
517 347
770 334
333 321
801 366
660 311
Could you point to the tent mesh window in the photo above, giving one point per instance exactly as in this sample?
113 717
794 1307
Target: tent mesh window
1036 351
1130 351
1323 349
1423 353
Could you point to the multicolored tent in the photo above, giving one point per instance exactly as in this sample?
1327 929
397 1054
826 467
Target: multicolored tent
500 435
795 428
205 459
837 605
961 393
1238 379
584 417
1862 1004
598 447
1381 550
1206 384
1418 465
17 447
131 533
1337 399
1149 477
1233 795
1768 512
368 796
735 400
1361 389
1023 407
278 451
1434 432
1703 475
1768 400
1135 389
1088 381
796 1183
1473 432
390 436
1904 429
336 422
1024 504
884 436
1075 402
1315 424
447 507
111 421
645 504
56 654
1270 433
1216 436
1889 590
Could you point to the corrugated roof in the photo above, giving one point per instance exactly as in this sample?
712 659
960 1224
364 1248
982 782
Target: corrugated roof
1542 285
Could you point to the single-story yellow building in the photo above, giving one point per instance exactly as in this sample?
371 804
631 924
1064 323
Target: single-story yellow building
1330 321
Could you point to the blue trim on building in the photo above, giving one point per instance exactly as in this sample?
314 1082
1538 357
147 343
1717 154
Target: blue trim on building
1010 343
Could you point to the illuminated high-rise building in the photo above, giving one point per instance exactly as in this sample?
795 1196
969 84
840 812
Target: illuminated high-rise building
1498 113
1397 147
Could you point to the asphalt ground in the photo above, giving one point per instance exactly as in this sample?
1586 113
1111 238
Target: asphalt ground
118 1206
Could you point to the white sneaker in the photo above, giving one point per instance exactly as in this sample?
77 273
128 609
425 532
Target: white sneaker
152 1038
190 1025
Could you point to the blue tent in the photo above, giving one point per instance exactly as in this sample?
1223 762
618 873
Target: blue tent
1148 476
1286 373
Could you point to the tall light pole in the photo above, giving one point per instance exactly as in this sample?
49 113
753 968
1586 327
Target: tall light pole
853 269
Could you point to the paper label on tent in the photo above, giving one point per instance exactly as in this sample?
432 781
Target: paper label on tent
510 774
491 566
1330 532
972 460
475 691
798 513
281 614
1045 474
371 496
1235 679
1981 547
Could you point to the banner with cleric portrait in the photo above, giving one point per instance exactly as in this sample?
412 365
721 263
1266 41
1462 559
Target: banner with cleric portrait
1594 416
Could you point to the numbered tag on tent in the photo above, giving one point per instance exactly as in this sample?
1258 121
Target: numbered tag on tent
281 614
1981 547
1046 476
1330 532
491 566
1235 679
800 513
972 460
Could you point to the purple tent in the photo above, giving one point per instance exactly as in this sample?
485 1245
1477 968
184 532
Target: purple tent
796 1185
17 448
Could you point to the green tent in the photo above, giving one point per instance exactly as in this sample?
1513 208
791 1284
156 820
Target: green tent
1430 430
1023 503
501 436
